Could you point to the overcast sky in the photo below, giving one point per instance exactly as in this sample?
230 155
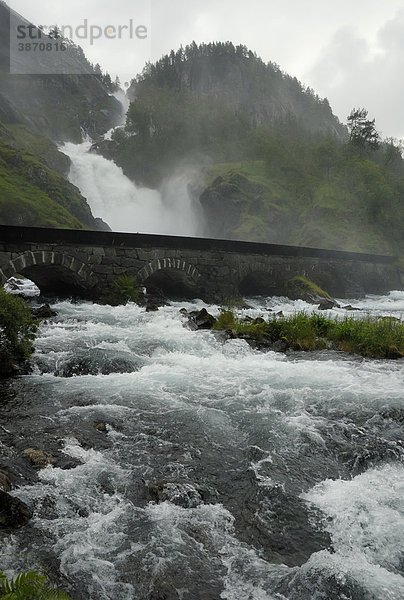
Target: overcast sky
350 51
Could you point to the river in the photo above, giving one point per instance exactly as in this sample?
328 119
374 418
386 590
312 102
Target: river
202 469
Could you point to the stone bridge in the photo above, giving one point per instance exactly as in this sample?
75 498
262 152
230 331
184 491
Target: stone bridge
82 263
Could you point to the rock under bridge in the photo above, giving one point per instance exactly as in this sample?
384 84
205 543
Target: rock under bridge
82 263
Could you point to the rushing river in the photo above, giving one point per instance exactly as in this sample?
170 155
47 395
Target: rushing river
223 472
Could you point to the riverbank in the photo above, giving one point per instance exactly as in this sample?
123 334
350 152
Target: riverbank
374 337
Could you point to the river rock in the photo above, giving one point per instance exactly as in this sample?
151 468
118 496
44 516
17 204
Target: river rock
5 483
349 307
202 319
327 304
101 427
13 512
151 307
281 345
43 312
39 458
180 494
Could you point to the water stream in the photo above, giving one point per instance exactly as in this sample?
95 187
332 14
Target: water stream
222 472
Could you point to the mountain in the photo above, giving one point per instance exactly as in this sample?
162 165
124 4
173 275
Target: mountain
274 164
36 113
238 79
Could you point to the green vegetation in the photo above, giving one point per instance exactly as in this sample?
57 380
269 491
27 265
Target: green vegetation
34 195
21 138
372 337
325 194
29 586
301 287
17 331
123 290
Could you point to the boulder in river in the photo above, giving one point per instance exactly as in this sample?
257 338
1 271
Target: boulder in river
350 307
180 494
202 319
43 312
328 304
13 512
39 458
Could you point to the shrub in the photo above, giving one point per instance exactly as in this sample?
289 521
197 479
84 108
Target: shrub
17 331
122 290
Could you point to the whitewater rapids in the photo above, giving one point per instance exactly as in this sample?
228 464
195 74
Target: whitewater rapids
293 464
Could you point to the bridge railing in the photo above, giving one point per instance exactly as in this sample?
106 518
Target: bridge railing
26 235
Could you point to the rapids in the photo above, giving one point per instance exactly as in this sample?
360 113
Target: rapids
222 472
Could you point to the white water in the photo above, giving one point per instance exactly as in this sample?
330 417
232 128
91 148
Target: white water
125 206
192 410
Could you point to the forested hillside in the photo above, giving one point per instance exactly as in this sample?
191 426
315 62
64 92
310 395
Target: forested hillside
274 163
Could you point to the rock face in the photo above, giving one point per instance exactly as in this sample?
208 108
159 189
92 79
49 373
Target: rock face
13 513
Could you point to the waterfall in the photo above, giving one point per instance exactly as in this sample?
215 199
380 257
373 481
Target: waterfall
126 206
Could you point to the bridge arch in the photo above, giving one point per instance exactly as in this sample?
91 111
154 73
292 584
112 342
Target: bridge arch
260 280
173 276
53 272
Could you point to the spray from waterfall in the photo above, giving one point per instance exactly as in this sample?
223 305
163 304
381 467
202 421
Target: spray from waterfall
125 206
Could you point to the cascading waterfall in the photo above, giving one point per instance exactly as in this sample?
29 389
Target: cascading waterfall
126 206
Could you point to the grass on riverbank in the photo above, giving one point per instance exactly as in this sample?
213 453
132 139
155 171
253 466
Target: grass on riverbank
376 337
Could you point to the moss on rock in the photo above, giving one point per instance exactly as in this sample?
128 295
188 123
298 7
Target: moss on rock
301 288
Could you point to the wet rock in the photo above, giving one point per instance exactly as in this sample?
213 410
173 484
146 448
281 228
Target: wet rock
101 427
327 304
13 512
5 482
151 307
349 307
118 365
280 314
39 458
281 345
258 321
14 284
43 312
202 319
96 362
78 368
180 494
67 463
